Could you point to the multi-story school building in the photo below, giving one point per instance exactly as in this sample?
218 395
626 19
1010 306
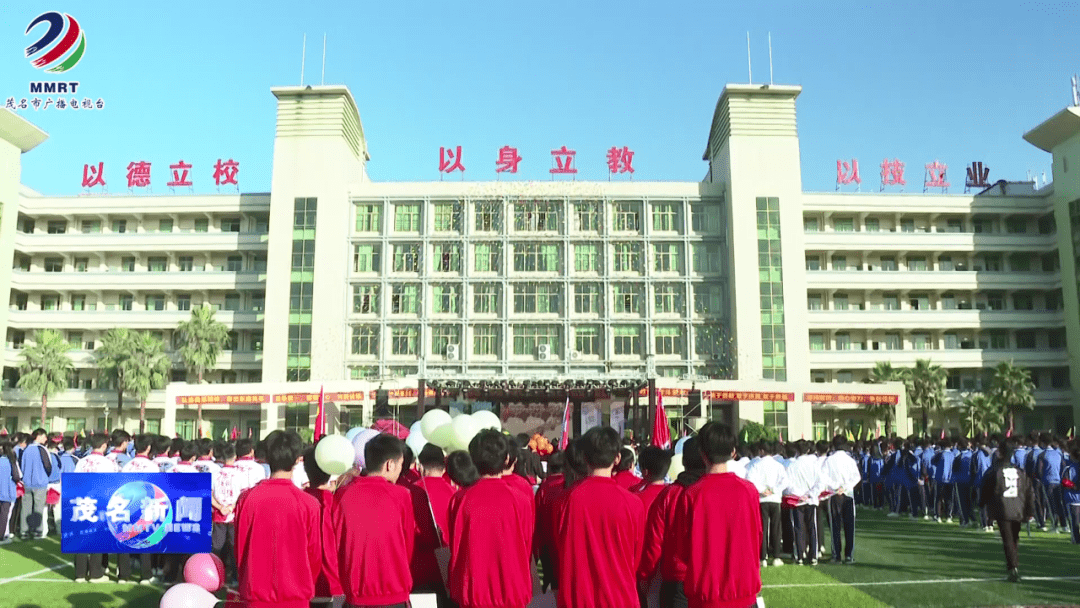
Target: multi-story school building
741 296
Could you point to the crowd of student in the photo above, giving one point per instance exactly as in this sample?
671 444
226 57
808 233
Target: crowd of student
477 527
943 481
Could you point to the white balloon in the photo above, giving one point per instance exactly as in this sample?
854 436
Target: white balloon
416 429
335 454
416 442
442 436
433 420
462 430
676 468
679 445
487 420
359 442
353 432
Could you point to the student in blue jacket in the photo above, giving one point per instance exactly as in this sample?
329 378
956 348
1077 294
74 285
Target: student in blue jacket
9 476
1038 445
36 465
962 477
1049 473
877 466
943 481
984 459
1070 483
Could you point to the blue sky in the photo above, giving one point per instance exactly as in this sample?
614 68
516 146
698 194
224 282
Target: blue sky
956 81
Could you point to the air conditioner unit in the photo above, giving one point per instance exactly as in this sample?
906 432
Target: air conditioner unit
575 355
544 351
452 352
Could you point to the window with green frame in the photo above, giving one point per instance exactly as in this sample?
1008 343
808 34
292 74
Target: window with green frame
76 425
771 285
367 217
776 417
407 217
186 429
297 416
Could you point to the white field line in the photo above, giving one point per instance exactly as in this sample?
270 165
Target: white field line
30 574
922 582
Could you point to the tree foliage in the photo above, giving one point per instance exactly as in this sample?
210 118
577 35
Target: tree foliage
45 367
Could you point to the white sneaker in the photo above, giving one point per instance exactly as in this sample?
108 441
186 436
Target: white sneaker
1046 528
778 562
893 514
102 579
948 520
764 563
925 517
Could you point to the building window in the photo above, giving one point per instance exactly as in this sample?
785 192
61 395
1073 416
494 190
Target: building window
82 264
232 342
407 217
1056 338
627 257
817 342
587 339
948 301
304 213
367 218
776 417
300 339
587 298
536 216
952 341
366 258
54 264
365 340
842 341
257 346
443 336
536 298
230 224
668 298
626 217
669 339
839 262
1025 339
1016 225
126 302
891 301
587 257
183 302
666 256
447 257
186 263
365 299
486 298
945 262
486 257
78 301
90 226
232 301
57 227
844 224
447 217
872 224
446 299
407 258
127 264
813 262
487 216
486 340
528 338
666 217
627 339
888 263
300 297
50 302
995 301
119 226
707 299
627 299
907 225
405 340
954 225
844 377
303 257
157 264
893 342
916 264
705 218
706 258
235 263
404 299
1059 378
588 216
202 224
535 257
810 224
920 341
1023 301
155 302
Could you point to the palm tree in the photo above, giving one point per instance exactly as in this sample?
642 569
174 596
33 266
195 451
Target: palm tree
44 367
114 359
986 416
149 371
926 389
202 340
1012 389
883 372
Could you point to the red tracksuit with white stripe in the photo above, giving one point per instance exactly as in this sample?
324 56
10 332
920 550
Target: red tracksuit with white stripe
376 532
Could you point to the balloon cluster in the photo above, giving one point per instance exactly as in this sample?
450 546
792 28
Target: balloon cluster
450 434
204 575
541 445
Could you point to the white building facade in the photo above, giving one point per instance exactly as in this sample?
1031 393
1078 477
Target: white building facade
741 282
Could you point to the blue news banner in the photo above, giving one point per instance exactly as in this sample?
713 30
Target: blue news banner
136 513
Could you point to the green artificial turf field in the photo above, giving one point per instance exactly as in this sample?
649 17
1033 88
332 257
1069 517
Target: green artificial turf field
900 563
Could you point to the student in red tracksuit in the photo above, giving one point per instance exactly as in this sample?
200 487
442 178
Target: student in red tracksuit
655 463
376 529
431 506
718 527
512 479
624 471
278 552
660 548
600 528
550 489
491 530
328 591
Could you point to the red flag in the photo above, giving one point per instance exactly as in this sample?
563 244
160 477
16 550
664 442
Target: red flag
565 440
235 433
1009 432
320 418
661 433
942 433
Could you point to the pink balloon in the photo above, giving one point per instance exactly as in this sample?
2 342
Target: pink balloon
206 571
187 595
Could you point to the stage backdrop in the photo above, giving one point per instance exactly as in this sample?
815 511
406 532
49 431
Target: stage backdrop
136 513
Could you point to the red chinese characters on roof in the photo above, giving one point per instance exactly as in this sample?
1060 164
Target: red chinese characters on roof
180 174
508 160
92 176
564 161
225 172
450 160
138 174
620 160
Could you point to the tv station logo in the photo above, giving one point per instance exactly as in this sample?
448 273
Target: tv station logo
60 48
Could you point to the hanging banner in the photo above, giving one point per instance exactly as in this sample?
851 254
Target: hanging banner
747 396
590 416
136 513
850 398
220 399
618 416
